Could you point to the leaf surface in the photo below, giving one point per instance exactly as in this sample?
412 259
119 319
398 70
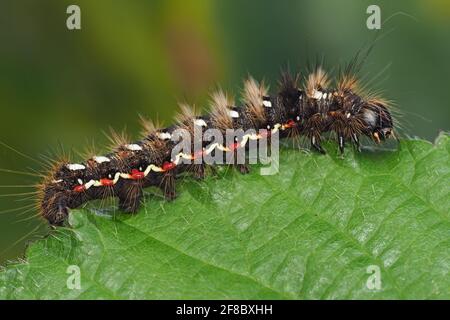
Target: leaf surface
316 230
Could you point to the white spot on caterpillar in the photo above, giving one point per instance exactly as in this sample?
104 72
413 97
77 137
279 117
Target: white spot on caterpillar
97 183
57 181
89 184
164 136
223 148
267 104
317 94
80 181
125 176
247 137
152 167
244 140
211 147
101 159
233 114
324 96
298 118
133 147
116 177
200 122
348 115
185 156
75 166
276 127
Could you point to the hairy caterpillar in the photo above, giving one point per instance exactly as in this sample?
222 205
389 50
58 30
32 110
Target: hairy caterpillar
308 111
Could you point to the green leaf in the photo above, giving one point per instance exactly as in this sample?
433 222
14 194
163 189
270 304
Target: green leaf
312 231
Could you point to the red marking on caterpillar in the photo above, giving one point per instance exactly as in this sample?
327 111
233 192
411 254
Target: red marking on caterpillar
137 175
198 154
167 166
79 188
264 133
290 124
106 182
234 146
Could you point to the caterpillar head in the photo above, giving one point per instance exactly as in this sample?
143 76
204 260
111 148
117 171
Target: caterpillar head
378 120
374 117
62 190
371 109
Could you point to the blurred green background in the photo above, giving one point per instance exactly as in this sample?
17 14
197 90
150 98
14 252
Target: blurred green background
141 57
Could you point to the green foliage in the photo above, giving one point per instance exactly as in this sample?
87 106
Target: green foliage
309 232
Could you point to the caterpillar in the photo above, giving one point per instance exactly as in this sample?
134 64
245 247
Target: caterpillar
311 110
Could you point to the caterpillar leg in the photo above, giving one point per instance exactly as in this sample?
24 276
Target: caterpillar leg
56 208
341 141
315 143
167 186
313 129
130 196
356 143
241 167
58 213
198 171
